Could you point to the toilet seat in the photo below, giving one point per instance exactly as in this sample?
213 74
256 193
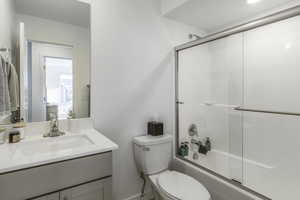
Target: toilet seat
178 186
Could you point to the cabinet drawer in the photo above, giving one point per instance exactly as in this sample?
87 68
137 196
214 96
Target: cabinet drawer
98 190
27 183
95 190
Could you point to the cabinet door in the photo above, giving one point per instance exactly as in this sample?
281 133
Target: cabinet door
49 197
90 191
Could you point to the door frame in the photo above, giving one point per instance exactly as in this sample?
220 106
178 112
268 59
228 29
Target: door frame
43 65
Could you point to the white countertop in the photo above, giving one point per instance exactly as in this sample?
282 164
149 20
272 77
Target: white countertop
24 155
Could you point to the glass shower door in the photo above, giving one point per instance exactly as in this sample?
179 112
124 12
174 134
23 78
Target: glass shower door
272 80
210 85
242 92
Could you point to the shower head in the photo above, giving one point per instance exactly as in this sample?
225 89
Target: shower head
192 36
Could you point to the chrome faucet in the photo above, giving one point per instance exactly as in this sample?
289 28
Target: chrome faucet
54 130
203 147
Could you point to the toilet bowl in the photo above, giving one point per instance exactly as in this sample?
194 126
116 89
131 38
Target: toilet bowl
153 155
173 185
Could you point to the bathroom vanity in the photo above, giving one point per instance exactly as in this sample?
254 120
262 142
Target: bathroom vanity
76 166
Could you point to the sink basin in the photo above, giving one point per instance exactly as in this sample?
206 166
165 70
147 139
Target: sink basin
34 150
54 145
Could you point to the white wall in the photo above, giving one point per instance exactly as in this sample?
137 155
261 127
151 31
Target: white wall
177 32
7 23
168 5
270 11
7 31
132 77
39 29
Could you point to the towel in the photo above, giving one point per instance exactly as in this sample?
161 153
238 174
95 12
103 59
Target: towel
5 106
13 86
2 90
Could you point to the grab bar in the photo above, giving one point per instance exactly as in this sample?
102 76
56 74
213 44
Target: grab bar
266 111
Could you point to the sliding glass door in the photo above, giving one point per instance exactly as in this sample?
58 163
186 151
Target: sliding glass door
272 81
242 92
210 78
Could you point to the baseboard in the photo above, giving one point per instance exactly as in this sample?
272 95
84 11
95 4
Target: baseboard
148 196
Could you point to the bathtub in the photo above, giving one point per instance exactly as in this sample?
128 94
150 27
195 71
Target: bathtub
257 176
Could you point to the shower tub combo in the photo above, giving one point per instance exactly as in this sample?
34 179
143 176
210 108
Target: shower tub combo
240 88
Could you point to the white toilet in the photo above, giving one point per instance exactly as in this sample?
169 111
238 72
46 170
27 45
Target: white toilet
153 156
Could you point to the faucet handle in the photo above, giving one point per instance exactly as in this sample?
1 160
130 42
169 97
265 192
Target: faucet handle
208 143
194 141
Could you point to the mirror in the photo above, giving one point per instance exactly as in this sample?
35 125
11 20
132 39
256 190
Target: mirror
47 59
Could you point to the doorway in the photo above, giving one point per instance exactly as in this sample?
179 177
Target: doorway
59 86
51 81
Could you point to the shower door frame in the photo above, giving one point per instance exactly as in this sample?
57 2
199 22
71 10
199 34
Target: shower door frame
278 16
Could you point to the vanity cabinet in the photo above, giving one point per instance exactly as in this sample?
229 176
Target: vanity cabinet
81 178
49 197
92 191
97 190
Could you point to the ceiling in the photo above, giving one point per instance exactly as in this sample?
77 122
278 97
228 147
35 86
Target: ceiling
65 11
212 15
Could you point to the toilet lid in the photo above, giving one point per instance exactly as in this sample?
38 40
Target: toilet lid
182 187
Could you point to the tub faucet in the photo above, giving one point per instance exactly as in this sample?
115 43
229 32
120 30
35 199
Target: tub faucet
203 147
54 130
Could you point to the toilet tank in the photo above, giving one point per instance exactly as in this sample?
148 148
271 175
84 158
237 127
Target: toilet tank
153 154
